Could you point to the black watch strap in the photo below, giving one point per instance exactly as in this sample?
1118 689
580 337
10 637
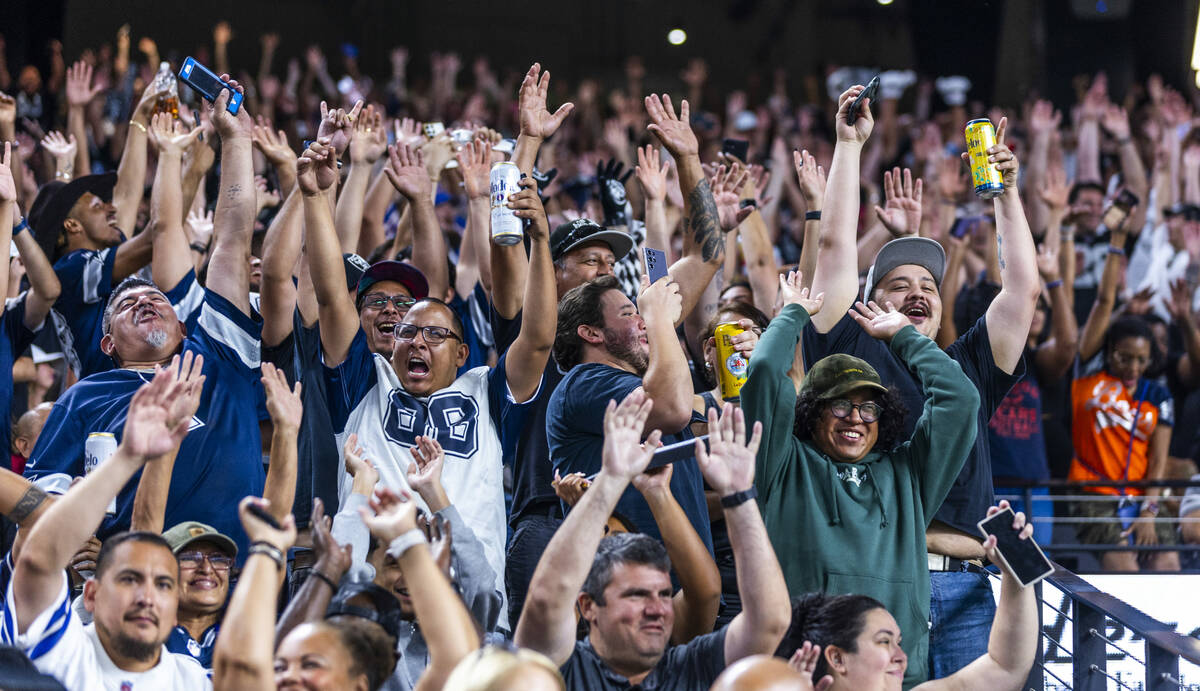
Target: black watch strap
738 498
812 215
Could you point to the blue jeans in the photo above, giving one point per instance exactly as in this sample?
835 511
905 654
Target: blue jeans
528 542
961 608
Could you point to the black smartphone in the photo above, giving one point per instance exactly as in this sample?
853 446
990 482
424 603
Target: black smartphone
962 226
870 92
208 84
737 148
672 453
264 516
1023 557
656 263
1126 200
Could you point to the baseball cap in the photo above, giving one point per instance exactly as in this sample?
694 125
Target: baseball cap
405 274
383 610
355 267
54 201
570 235
183 534
839 374
911 250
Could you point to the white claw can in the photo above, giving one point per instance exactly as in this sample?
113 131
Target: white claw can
99 447
507 227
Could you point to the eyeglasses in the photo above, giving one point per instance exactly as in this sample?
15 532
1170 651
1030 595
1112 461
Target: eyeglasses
433 334
867 412
378 301
191 560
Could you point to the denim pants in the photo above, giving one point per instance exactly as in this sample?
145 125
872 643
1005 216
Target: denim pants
961 608
529 540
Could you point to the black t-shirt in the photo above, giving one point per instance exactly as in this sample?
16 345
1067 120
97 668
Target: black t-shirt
532 473
317 459
694 665
972 493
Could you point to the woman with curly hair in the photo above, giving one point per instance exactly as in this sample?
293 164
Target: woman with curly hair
846 500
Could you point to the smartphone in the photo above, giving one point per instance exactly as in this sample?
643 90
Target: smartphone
208 84
433 129
672 453
261 514
1023 557
737 148
1114 216
1126 200
962 226
870 92
656 263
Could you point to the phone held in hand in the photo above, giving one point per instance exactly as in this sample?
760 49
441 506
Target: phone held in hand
656 264
679 451
433 129
1023 557
736 148
870 92
263 515
208 84
1126 200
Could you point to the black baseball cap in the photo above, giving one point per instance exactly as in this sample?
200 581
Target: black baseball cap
403 273
384 608
838 375
582 231
355 267
54 201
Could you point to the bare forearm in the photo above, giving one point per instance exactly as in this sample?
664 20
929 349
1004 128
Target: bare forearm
445 622
21 501
1013 640
280 487
349 213
171 259
245 647
760 261
474 262
83 162
1132 169
1088 152
525 152
308 604
150 501
870 244
760 584
667 380
131 176
658 234
699 580
379 197
1097 321
233 224
836 272
510 267
429 246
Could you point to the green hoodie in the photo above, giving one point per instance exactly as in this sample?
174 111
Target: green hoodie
859 527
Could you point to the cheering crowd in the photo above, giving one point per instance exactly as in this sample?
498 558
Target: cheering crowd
285 414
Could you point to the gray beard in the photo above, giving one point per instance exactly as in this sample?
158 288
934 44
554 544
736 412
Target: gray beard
156 339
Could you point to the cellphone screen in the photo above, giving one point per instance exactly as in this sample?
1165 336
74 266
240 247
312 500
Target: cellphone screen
656 264
737 148
1023 557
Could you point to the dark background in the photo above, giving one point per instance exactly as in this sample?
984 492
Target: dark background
1007 47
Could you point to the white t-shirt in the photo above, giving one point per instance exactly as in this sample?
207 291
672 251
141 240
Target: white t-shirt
61 646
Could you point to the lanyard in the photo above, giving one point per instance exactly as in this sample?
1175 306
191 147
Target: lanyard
1137 413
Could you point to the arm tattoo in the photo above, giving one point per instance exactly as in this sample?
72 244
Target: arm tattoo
234 191
27 504
706 230
1000 250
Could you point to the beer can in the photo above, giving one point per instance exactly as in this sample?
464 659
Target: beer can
98 448
981 136
507 227
731 364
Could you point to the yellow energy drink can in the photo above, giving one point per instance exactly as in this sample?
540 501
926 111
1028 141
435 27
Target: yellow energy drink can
981 136
731 364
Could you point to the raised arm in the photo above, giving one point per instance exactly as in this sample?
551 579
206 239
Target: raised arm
1091 338
653 178
8 209
316 171
537 122
286 410
280 257
243 658
407 172
1043 123
80 91
1055 355
728 467
836 273
812 188
275 148
131 171
233 220
899 217
667 381
475 257
172 258
367 145
70 521
1115 121
547 623
956 252
527 356
699 595
332 561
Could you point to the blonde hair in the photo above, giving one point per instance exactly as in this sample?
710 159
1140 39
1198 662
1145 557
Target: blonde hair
492 668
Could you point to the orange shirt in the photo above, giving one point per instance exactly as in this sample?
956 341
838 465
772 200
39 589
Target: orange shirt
1102 419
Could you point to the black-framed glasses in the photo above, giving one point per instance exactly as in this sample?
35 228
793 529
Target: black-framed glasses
191 560
433 334
867 412
379 301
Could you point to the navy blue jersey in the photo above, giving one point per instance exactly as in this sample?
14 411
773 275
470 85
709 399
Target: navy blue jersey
16 337
220 460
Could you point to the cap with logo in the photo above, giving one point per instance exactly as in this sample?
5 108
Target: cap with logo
924 252
583 231
189 532
403 273
839 374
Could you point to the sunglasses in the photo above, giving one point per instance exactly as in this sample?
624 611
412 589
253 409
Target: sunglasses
867 412
433 334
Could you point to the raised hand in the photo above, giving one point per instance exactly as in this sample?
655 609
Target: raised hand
858 131
570 488
527 204
408 131
8 188
804 661
60 147
674 131
728 463
879 322
183 407
169 135
654 481
151 428
283 402
272 143
263 196
332 560
228 125
316 170
536 120
1043 118
200 226
952 179
792 292
258 530
1002 157
1180 304
8 110
1056 190
338 125
437 152
357 463
369 141
222 33
901 212
651 175
474 162
1115 121
80 90
1047 261
424 474
406 171
727 187
624 455
812 178
660 300
389 515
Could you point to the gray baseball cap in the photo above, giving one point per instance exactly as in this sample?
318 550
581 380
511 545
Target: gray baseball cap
911 250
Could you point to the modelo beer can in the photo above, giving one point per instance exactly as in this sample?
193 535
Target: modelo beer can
507 227
981 136
731 364
99 447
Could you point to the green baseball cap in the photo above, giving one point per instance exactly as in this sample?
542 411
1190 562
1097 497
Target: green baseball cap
184 534
839 374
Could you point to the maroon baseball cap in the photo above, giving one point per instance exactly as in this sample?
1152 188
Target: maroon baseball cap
403 273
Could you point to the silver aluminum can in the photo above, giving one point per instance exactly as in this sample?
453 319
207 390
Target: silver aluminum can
507 227
99 447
